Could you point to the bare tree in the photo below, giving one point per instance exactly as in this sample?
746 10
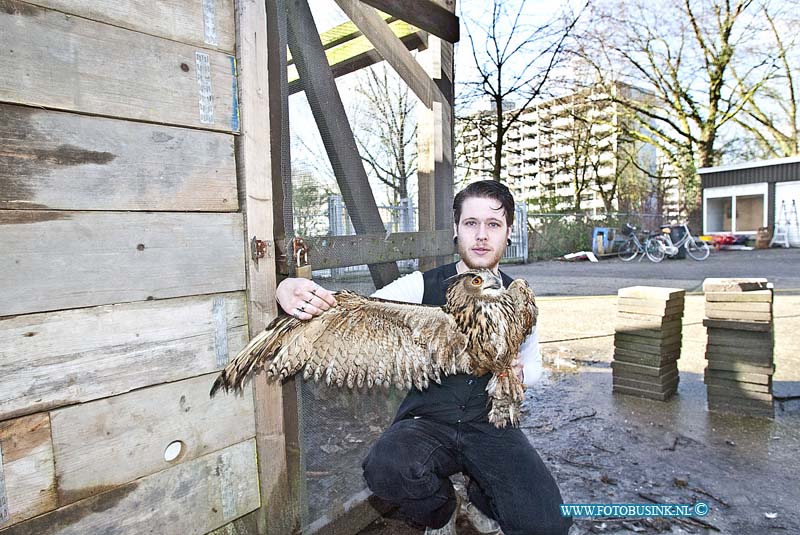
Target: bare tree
386 130
770 117
512 66
309 201
682 54
590 133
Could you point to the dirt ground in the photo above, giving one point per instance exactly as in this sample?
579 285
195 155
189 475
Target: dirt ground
605 447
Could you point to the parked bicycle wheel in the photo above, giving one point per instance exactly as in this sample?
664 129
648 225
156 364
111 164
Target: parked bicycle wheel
628 250
655 249
697 249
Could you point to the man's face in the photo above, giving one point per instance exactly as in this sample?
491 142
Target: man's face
482 232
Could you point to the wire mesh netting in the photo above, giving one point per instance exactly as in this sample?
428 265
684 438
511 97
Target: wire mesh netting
337 426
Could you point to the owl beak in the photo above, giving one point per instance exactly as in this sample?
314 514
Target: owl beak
496 284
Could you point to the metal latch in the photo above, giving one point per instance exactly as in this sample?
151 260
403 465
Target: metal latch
259 248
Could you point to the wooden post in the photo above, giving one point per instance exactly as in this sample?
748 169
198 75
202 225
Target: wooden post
434 16
257 166
435 147
337 136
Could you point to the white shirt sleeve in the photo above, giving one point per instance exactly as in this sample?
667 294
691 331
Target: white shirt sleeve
531 358
408 289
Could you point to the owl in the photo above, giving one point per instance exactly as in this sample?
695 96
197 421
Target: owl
377 342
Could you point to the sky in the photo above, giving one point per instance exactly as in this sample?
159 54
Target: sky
307 145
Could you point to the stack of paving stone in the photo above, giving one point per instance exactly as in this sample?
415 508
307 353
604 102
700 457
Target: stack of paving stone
647 342
740 345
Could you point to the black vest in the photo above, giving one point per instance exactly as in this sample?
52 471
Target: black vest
459 398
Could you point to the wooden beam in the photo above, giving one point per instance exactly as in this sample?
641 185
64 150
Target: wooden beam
290 502
340 67
392 50
425 14
347 32
65 161
262 74
335 130
342 251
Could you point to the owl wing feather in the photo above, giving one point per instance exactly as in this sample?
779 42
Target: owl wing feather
362 340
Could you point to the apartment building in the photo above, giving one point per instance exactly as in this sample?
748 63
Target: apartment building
570 153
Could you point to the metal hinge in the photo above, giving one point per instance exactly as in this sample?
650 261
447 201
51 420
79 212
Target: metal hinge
260 248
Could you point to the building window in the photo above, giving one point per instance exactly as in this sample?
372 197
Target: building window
718 214
749 213
735 209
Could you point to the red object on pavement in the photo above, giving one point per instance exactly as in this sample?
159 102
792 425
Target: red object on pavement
723 239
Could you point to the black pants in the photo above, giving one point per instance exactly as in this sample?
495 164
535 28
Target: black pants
411 462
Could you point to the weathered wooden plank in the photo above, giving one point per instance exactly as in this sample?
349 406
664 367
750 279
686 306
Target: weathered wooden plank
58 260
69 63
426 14
64 161
207 23
261 53
356 61
341 251
60 358
334 127
94 443
26 468
191 498
392 50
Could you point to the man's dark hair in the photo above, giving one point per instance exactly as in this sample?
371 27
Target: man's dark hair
489 189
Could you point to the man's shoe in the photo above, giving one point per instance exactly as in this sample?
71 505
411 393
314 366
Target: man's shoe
479 521
450 527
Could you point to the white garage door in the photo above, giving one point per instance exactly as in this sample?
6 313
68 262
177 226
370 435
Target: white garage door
785 194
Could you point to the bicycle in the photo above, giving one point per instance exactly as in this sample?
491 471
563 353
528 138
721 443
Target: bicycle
695 247
632 247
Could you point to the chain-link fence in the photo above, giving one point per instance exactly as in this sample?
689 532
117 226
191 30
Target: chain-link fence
554 235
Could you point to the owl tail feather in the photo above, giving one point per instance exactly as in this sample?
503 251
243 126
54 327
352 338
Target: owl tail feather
263 347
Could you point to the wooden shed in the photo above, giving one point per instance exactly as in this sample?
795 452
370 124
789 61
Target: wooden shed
145 211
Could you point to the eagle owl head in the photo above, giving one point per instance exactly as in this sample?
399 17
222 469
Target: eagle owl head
473 285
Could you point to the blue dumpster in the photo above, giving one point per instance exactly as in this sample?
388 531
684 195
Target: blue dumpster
601 240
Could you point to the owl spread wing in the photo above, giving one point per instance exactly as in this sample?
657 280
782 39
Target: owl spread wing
360 341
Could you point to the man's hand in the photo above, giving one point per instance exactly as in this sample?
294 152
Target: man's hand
303 298
517 366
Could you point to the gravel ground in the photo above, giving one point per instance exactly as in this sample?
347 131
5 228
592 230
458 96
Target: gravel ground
604 447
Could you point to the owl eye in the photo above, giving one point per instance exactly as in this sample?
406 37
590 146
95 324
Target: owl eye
477 281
